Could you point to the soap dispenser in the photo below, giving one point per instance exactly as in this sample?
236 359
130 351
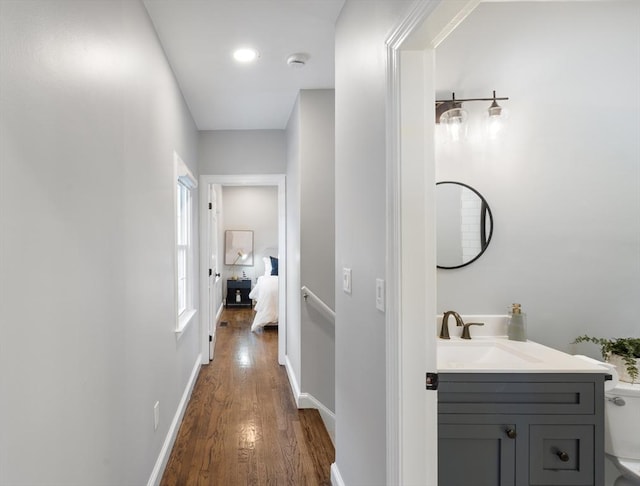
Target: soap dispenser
517 331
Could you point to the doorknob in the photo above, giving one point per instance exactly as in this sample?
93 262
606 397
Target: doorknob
217 274
511 433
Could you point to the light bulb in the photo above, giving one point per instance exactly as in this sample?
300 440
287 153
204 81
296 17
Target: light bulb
456 122
494 126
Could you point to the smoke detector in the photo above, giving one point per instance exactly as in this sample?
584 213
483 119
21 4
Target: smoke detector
297 60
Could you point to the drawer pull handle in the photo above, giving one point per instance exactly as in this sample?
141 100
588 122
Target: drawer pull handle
564 457
511 433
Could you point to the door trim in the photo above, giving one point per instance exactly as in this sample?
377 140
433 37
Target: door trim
213 271
278 180
411 426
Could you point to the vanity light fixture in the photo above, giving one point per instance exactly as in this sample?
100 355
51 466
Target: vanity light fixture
451 114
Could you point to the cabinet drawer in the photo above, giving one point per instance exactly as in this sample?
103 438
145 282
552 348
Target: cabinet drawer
516 397
561 455
239 284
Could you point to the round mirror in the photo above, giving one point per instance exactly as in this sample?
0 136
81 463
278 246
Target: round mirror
464 224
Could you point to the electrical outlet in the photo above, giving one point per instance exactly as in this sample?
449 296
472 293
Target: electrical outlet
156 415
380 294
346 280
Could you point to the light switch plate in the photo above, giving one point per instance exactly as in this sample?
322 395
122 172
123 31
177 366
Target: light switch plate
346 280
380 294
156 415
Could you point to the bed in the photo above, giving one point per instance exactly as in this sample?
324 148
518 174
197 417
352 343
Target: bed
265 293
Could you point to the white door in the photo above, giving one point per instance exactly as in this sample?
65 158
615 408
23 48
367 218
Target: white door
215 295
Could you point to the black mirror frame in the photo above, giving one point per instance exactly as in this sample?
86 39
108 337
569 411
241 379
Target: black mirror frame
485 210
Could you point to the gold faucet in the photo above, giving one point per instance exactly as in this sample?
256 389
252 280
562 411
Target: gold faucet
444 330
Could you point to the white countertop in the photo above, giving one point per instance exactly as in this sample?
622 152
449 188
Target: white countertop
496 354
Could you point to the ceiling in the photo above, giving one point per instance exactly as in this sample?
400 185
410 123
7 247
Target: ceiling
199 37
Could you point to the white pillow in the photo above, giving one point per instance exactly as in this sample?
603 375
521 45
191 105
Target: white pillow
267 266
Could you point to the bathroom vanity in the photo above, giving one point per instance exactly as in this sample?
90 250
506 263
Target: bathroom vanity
521 429
518 414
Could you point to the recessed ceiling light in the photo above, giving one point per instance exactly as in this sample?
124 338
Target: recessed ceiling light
245 55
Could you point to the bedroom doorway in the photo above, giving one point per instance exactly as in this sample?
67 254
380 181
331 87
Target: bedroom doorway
211 301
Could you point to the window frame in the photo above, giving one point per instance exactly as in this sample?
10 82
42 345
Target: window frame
184 186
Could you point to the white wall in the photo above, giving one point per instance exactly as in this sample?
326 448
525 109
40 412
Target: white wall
564 182
253 208
294 331
231 152
360 235
317 254
310 248
90 115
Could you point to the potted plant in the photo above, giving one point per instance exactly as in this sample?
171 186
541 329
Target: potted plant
624 353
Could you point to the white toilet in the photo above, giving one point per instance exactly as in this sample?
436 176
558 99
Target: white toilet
622 431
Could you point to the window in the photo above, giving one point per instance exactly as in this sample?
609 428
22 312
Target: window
183 243
185 265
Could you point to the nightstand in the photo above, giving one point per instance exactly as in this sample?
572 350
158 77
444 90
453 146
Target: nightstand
238 293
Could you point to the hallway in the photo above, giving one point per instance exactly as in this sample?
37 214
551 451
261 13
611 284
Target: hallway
242 425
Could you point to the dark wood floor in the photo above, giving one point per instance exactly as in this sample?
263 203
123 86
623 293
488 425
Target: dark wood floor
242 425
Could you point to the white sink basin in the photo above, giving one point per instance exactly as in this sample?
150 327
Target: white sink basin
482 354
489 351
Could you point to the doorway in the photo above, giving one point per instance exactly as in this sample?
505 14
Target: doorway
210 278
412 448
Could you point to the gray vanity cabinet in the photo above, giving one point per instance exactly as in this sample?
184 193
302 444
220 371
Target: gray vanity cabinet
517 429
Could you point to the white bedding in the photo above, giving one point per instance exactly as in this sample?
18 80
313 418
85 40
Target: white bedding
265 293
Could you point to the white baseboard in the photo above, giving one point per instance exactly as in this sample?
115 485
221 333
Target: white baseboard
336 479
306 400
293 381
215 333
165 451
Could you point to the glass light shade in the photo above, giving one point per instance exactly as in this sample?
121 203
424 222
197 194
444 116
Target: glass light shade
495 120
456 122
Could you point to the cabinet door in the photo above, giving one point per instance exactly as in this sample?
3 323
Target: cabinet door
478 455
